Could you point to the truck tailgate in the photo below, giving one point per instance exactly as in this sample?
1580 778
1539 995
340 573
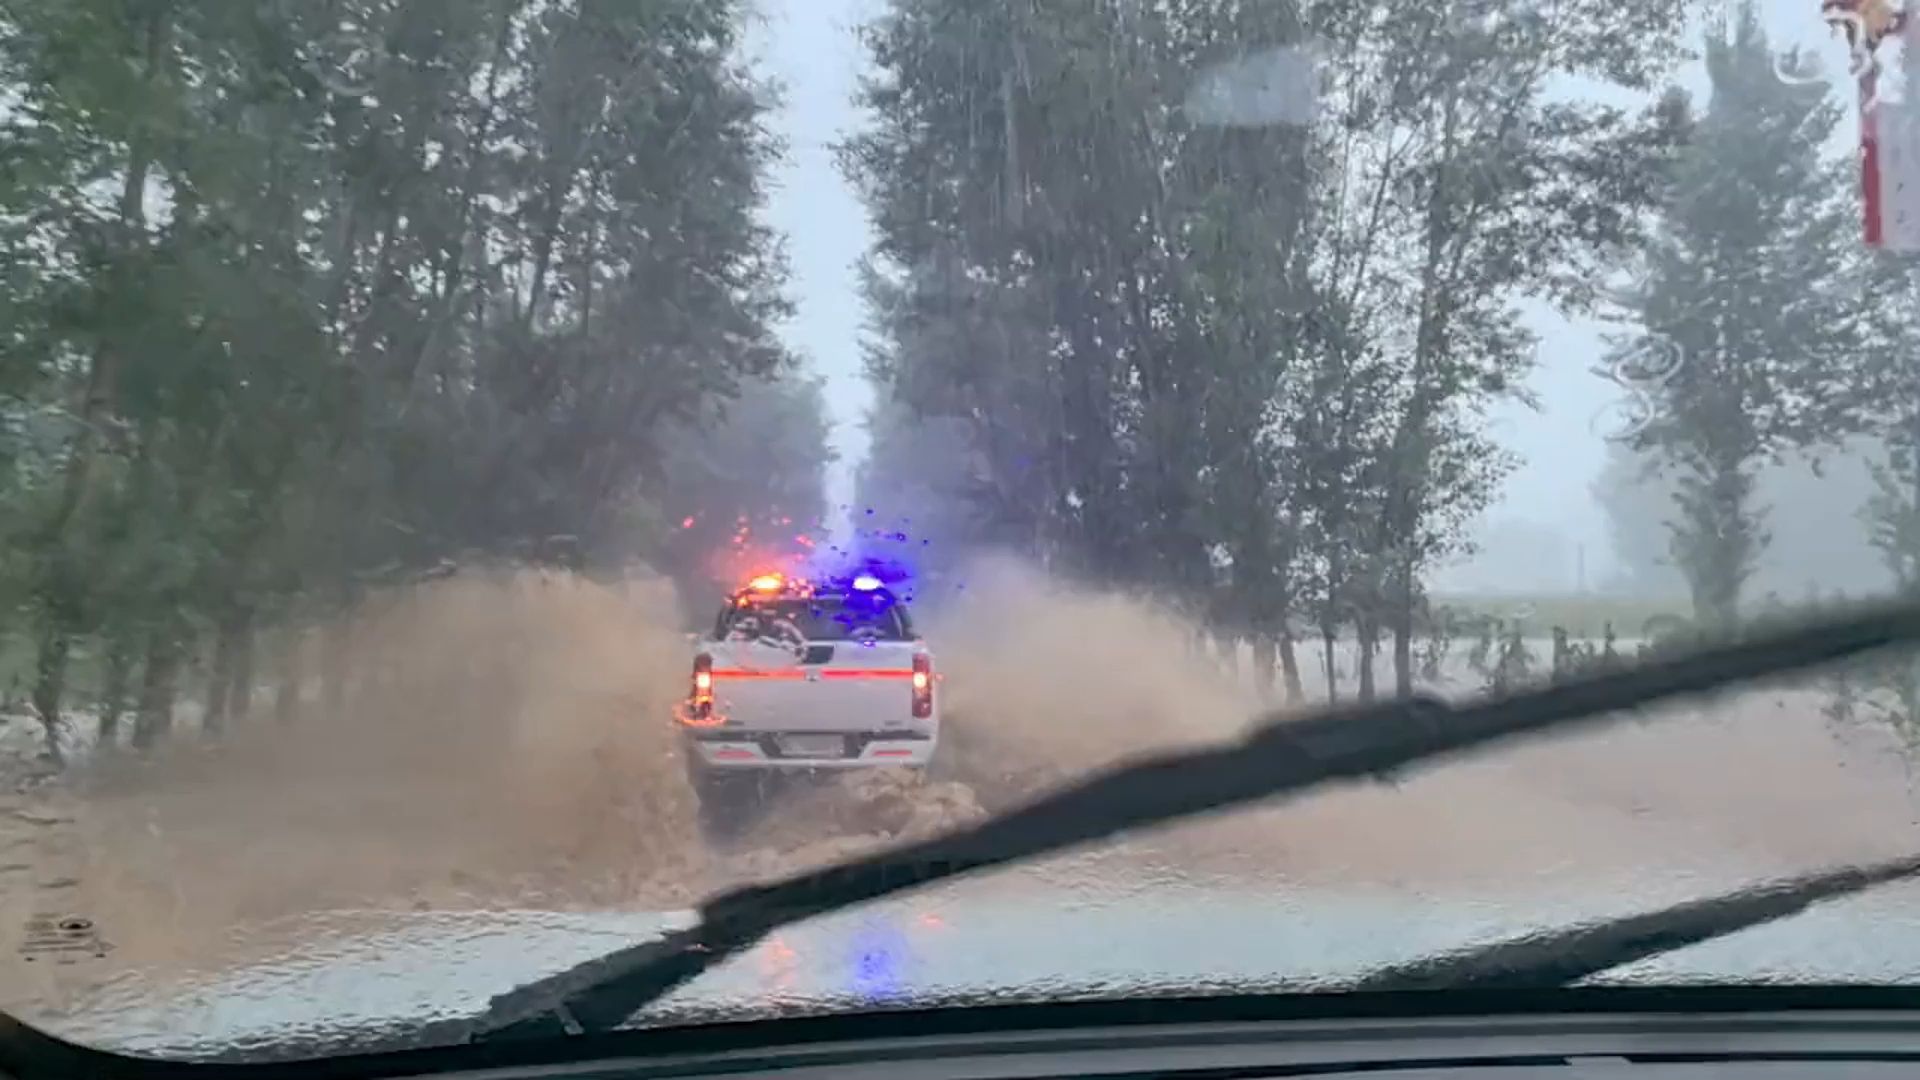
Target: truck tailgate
837 686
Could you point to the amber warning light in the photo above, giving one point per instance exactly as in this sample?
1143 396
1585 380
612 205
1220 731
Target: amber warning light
699 710
922 686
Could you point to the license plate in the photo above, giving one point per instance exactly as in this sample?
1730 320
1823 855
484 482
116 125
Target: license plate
812 746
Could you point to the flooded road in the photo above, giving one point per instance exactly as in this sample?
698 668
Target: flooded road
502 800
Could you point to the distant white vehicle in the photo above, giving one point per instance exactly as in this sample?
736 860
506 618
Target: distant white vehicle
797 675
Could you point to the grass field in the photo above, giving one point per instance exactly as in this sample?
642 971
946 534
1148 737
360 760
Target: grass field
1582 616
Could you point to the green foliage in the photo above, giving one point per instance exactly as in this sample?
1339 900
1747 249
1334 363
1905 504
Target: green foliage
307 297
1583 615
1243 361
1746 299
744 479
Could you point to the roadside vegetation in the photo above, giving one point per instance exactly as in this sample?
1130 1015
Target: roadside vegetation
304 302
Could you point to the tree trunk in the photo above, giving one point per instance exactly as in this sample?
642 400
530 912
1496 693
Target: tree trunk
1290 669
1721 538
240 690
61 584
1333 672
1264 661
1369 642
333 669
220 680
113 691
154 720
50 684
230 690
1226 649
286 698
1716 598
1402 655
1403 636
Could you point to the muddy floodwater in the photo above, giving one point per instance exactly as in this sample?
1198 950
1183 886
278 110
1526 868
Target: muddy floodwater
506 798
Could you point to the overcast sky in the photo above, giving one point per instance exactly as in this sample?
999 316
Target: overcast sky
809 47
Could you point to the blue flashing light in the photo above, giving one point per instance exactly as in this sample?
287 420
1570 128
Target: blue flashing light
866 583
878 951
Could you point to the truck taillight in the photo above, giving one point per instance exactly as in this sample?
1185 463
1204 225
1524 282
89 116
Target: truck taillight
700 700
922 686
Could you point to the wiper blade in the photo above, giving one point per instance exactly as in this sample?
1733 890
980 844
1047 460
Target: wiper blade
1281 756
1559 957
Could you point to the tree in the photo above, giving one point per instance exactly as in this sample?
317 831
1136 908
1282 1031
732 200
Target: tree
1461 186
313 298
1095 285
1823 486
745 486
1234 344
1746 302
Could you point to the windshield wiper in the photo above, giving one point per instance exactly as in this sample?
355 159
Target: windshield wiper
1281 756
1559 957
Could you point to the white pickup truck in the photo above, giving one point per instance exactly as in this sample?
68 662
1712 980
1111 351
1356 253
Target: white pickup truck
802 676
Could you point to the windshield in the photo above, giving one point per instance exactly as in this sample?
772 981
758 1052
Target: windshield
394 397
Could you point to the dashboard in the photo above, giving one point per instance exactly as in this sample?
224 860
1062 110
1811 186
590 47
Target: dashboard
1070 1042
1563 1048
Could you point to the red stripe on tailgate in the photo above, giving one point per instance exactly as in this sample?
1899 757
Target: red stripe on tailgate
801 673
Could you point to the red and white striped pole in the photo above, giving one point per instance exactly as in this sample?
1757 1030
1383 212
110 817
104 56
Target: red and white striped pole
1870 155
